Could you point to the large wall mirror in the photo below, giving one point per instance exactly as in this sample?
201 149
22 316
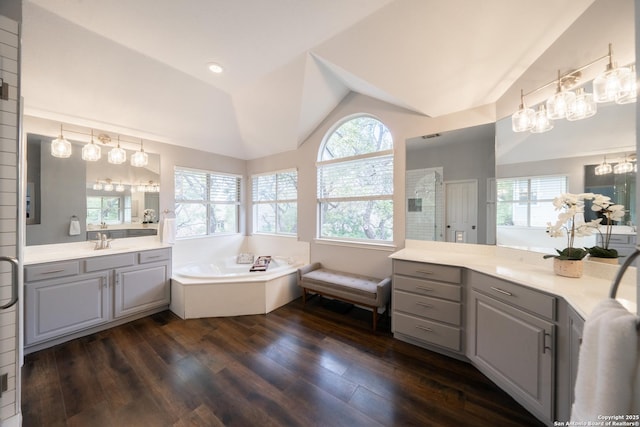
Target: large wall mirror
121 200
457 166
571 150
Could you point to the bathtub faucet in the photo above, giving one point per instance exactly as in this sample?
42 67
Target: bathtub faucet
103 242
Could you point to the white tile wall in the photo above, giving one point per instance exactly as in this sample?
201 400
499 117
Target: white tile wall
426 185
9 401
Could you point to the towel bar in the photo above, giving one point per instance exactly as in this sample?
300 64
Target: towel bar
623 268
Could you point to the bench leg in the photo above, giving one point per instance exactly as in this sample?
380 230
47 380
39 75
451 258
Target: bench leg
375 318
304 296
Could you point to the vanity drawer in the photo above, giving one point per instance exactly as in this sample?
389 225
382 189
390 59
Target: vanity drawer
428 288
51 271
432 308
427 331
536 302
154 255
423 270
108 262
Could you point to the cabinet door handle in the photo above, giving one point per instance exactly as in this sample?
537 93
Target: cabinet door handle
422 288
546 347
155 256
502 291
53 271
424 328
424 271
424 304
15 266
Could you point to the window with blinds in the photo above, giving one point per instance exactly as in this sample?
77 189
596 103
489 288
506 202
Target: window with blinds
355 182
527 202
275 202
206 202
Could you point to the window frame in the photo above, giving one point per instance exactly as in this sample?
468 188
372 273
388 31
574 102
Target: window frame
358 158
209 202
528 202
277 201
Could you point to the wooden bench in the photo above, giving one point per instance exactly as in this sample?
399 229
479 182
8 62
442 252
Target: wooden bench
352 288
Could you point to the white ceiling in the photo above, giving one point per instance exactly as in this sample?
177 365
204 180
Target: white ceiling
138 67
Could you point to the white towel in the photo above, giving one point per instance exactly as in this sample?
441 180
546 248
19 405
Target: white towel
74 227
169 231
608 378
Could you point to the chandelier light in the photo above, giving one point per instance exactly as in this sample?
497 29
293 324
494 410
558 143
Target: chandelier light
623 167
542 122
583 107
617 84
60 147
91 152
117 155
604 168
523 119
140 158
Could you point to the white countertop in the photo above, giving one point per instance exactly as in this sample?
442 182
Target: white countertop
132 226
65 251
529 269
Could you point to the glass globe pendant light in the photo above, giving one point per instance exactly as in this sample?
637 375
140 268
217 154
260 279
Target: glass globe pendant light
117 155
604 168
607 85
140 158
91 152
623 167
60 147
583 107
558 105
628 92
523 119
541 123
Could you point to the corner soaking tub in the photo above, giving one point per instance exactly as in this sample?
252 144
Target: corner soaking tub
225 288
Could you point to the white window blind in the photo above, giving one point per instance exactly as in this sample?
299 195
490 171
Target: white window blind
527 202
275 207
206 202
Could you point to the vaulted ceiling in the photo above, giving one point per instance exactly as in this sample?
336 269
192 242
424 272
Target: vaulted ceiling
139 67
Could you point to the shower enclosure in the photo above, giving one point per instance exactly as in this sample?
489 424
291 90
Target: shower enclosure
425 204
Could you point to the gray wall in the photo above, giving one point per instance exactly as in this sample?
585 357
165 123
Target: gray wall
11 9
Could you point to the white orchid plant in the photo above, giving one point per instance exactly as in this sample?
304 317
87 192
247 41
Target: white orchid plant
608 213
571 224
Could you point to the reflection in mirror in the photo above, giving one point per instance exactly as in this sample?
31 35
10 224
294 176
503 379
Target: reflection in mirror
457 167
102 197
571 150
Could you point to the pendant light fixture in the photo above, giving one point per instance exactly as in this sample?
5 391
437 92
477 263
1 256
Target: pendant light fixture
617 84
120 188
60 147
91 152
608 84
97 185
523 119
542 123
604 168
117 155
623 167
583 107
108 186
140 158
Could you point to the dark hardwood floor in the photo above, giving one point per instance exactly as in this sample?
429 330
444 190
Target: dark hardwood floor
292 367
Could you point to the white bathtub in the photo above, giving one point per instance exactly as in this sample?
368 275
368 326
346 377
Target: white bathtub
225 288
228 269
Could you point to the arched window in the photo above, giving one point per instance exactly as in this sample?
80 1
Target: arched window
355 181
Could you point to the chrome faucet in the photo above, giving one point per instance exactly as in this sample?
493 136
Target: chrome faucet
103 242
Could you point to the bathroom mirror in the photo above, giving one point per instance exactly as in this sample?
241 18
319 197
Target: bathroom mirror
458 166
570 149
60 190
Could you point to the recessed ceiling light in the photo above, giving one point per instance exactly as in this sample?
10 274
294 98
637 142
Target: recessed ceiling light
215 68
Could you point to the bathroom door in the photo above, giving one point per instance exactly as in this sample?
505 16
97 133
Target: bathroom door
461 211
10 225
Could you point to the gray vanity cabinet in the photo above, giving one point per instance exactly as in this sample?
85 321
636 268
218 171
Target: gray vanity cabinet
68 299
511 339
427 305
144 286
576 325
62 306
